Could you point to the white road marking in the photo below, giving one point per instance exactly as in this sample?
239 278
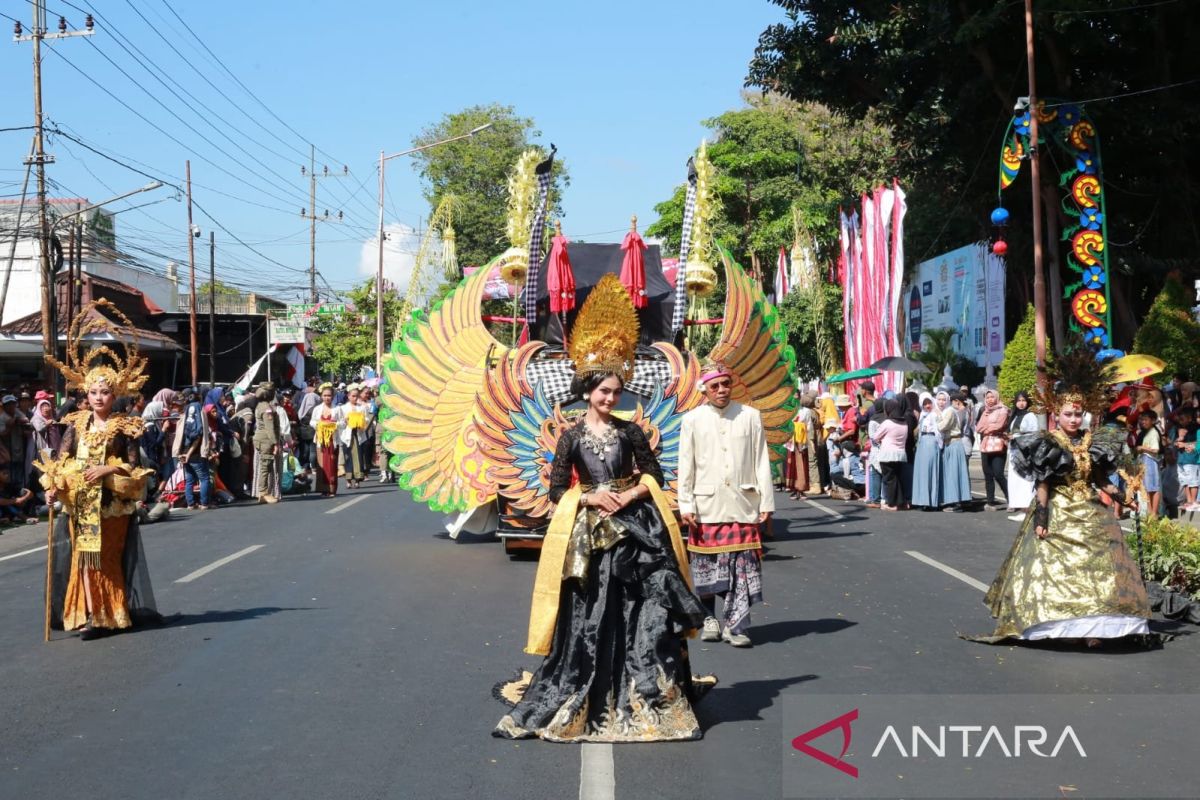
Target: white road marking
23 553
951 571
825 508
597 777
347 504
220 562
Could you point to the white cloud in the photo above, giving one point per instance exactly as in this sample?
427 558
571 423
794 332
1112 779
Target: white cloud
400 245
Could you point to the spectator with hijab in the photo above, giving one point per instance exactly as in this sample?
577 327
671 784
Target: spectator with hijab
927 465
889 448
193 448
992 428
956 481
1022 421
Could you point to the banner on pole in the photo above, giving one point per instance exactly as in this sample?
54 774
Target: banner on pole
962 290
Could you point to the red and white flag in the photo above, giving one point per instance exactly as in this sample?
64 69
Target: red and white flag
295 369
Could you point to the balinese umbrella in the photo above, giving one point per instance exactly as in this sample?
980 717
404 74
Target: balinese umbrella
853 375
633 267
1134 367
899 364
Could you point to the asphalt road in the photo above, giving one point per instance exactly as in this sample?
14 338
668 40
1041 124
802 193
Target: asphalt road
352 652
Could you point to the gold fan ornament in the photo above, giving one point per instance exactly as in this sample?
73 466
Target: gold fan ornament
605 335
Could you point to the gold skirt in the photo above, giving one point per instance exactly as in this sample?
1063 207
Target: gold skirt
105 586
1081 569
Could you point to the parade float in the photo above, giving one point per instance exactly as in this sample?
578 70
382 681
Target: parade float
471 423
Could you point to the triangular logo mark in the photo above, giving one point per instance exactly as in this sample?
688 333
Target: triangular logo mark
801 742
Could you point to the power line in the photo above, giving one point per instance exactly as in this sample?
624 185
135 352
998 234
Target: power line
1125 94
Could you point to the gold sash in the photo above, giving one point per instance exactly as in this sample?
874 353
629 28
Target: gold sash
543 615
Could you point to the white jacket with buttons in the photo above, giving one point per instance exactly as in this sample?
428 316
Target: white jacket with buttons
724 465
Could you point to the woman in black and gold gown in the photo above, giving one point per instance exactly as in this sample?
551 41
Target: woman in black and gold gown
1069 574
611 605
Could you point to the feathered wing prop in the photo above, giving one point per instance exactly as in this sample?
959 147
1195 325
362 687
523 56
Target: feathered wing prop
753 345
518 432
432 380
662 417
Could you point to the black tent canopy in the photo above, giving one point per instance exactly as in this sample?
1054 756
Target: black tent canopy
589 262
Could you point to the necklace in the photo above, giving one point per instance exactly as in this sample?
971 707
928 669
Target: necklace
599 444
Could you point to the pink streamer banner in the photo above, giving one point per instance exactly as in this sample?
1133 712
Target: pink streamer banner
871 268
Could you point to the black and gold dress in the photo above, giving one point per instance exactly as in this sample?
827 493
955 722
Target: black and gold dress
611 607
1080 581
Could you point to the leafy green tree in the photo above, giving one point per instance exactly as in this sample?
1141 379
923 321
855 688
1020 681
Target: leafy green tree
1170 332
344 346
813 320
475 171
944 76
774 155
937 351
221 290
1018 370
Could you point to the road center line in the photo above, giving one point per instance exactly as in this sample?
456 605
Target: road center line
597 777
220 562
951 571
347 504
22 553
825 508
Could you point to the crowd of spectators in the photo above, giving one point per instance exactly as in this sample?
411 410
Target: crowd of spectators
200 442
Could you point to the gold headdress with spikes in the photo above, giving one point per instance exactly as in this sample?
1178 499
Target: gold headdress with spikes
86 367
1076 378
605 335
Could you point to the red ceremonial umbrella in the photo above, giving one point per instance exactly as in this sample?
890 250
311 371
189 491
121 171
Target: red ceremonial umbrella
633 267
560 280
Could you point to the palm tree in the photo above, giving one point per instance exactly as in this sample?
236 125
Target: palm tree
937 352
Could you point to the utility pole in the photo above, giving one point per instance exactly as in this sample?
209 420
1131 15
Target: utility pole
193 232
212 309
1035 175
40 159
310 214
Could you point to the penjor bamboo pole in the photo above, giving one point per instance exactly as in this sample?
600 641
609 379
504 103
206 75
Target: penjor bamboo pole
49 571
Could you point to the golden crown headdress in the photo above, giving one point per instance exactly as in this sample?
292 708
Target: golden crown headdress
605 336
86 366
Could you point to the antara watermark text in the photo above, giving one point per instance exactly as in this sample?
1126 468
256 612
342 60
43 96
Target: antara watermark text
974 741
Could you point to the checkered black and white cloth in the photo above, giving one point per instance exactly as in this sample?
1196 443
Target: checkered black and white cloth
555 376
529 296
685 245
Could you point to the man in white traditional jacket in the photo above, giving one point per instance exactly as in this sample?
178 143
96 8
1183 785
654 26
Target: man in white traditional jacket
726 496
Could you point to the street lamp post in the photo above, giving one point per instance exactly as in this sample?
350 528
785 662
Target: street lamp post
383 159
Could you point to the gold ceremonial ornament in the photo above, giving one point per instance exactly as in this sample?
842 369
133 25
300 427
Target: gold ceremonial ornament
698 273
522 196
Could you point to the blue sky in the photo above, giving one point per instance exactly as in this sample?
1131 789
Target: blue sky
620 88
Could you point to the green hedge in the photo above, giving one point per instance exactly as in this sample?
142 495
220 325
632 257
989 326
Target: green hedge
1170 554
1170 332
1018 370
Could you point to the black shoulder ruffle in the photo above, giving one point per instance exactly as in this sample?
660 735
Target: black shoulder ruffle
1041 457
1107 449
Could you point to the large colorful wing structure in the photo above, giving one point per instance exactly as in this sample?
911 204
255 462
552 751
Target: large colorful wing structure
518 432
433 377
662 417
753 345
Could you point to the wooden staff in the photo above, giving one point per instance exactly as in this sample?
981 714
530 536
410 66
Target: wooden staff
49 569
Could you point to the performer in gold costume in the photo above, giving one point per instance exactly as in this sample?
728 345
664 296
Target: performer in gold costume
100 581
611 603
1069 574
